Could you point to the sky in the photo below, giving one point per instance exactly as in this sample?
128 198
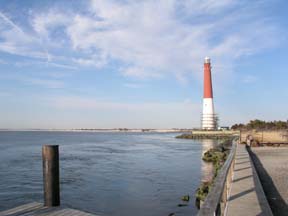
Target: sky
139 63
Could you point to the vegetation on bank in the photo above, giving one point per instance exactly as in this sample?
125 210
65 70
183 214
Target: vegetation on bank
217 156
203 136
259 124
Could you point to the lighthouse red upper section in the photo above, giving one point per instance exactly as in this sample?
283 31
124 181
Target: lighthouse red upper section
208 91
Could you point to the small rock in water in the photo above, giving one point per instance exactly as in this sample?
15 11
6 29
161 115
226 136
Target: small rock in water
171 214
181 205
186 198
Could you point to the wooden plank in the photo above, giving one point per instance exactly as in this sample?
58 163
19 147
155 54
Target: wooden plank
54 212
72 212
51 211
64 212
25 212
37 209
21 208
34 212
44 211
81 213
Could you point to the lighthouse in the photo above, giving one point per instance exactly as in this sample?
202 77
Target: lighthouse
209 119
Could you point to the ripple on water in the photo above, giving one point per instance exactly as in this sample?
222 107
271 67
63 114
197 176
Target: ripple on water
111 173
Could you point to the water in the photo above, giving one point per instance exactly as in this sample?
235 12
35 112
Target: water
108 174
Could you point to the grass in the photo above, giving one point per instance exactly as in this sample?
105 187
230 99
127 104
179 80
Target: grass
203 136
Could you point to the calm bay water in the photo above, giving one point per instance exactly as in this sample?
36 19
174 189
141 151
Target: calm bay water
109 174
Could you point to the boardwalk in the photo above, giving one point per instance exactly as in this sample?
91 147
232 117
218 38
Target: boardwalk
37 209
246 195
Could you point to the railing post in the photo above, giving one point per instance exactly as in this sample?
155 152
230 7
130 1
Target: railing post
224 197
50 159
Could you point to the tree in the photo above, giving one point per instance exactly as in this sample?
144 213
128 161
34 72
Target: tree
259 124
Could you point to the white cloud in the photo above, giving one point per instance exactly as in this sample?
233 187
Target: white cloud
81 103
97 61
53 82
154 39
140 73
46 83
60 65
17 41
45 23
147 39
44 64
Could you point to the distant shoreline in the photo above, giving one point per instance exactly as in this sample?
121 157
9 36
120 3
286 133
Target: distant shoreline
120 130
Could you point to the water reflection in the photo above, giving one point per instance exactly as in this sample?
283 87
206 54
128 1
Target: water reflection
207 168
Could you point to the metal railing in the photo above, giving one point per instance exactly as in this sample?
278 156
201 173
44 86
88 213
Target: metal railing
216 200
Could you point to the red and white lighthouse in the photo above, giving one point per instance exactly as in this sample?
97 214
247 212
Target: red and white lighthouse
209 119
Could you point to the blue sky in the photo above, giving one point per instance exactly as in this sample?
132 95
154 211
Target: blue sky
138 64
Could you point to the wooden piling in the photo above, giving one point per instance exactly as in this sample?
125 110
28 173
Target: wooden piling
50 158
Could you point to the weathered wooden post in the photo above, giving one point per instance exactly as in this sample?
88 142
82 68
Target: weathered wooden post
50 158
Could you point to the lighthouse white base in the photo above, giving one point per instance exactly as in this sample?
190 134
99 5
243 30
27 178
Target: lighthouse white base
209 122
209 119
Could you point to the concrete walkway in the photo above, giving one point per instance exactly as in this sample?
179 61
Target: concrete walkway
246 195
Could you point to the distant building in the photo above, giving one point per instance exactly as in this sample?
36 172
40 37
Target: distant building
224 128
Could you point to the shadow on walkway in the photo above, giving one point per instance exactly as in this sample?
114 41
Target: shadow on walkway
276 202
242 178
237 163
243 193
237 170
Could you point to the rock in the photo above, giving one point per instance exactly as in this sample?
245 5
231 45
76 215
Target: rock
186 198
182 205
